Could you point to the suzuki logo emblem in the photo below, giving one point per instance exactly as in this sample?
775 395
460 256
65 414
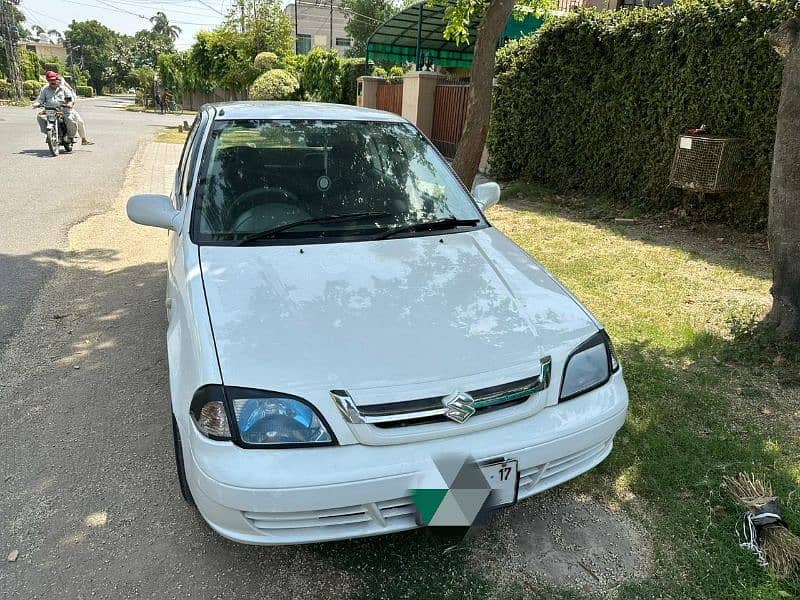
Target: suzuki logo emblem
459 406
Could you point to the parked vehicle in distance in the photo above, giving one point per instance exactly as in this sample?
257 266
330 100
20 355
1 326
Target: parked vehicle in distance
341 312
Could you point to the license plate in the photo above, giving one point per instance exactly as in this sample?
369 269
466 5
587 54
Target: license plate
503 477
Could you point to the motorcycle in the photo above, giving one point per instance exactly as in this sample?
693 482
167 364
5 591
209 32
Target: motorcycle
57 134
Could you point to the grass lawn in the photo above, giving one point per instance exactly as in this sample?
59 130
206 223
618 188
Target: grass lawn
171 135
711 393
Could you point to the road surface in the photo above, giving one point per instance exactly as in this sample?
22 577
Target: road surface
41 196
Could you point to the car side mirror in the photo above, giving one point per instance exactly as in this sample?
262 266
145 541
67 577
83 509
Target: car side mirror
487 194
155 210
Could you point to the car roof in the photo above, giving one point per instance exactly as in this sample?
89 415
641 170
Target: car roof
299 110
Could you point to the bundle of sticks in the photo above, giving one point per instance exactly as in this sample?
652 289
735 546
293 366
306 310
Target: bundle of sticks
764 531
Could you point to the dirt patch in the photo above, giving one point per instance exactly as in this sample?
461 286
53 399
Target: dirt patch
559 539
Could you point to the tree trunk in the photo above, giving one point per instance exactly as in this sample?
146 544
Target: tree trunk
784 189
476 126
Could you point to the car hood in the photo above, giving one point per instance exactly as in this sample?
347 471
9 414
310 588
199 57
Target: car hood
379 314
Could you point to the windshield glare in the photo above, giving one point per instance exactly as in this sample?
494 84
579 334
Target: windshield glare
261 175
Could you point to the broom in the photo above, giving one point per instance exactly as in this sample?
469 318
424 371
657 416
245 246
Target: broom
764 530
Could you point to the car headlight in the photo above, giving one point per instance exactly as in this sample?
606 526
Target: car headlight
260 418
589 366
276 420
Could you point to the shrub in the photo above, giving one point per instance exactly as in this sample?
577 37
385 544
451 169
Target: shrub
84 90
276 84
264 61
31 88
396 71
379 72
352 69
595 101
321 79
5 89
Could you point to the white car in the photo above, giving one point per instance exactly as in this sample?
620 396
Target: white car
341 312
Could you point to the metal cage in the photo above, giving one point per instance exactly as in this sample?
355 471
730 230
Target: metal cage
706 164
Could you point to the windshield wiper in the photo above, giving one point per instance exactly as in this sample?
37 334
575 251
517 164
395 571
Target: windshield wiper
270 233
446 223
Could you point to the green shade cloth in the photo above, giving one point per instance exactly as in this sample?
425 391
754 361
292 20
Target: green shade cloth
395 41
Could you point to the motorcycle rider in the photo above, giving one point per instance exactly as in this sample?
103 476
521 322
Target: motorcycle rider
54 96
78 119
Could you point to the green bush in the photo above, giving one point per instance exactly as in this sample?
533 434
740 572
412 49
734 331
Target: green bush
276 84
595 101
379 72
5 89
352 69
321 79
31 88
84 90
264 61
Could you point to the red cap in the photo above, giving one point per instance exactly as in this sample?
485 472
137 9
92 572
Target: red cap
50 75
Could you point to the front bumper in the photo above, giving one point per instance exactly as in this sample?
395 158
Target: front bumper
324 494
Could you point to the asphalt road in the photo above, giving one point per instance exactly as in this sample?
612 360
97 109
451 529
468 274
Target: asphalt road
41 196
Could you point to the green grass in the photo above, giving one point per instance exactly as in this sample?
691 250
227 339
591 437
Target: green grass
171 135
712 393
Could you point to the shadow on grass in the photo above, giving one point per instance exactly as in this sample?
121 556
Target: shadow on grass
741 252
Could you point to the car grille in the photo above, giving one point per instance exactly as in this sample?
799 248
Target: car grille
362 519
437 409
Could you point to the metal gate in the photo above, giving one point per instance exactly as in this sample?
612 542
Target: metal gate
390 97
449 114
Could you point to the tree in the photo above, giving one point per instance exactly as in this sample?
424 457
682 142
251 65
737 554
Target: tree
146 47
495 15
322 76
783 225
97 45
364 17
268 30
162 27
23 33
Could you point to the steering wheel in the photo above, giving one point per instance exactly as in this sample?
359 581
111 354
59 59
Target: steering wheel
269 194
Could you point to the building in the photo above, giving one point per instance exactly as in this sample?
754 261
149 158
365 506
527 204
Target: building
44 49
315 20
565 6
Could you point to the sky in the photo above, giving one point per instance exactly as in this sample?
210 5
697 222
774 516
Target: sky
125 16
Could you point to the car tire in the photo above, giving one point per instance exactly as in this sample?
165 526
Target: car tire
179 466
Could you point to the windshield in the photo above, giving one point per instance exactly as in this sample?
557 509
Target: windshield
277 182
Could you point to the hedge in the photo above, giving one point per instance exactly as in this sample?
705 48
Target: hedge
31 88
86 91
595 101
276 84
352 69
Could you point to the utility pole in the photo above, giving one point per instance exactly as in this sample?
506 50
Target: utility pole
10 33
330 40
296 35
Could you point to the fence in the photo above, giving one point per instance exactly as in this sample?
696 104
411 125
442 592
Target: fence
389 97
449 114
194 100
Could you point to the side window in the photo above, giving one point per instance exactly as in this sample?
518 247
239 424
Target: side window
194 143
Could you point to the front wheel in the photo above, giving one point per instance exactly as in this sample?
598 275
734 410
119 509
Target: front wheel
52 141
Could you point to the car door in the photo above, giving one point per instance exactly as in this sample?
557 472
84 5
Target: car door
182 187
